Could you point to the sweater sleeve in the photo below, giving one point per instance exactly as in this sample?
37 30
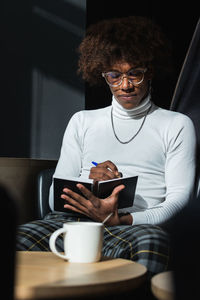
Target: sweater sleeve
69 163
180 144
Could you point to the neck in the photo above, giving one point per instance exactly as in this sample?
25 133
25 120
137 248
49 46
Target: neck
137 112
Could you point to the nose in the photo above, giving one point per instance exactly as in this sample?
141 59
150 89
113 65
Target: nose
126 84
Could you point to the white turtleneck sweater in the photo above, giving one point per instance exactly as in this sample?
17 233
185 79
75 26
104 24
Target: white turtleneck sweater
162 155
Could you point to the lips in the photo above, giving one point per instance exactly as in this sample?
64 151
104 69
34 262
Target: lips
127 96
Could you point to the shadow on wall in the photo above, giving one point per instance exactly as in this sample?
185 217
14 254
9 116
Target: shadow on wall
41 36
57 31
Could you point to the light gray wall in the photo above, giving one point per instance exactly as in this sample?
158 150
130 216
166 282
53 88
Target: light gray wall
53 104
55 101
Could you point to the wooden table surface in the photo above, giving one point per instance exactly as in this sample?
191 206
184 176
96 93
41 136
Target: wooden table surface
41 275
162 286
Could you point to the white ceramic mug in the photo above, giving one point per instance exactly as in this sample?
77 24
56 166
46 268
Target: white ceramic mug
82 241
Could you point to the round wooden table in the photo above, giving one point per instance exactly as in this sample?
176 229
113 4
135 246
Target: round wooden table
42 275
162 286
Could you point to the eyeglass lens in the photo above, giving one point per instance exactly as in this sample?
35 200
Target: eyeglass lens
115 78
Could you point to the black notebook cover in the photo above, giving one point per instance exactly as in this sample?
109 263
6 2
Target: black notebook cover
102 190
126 196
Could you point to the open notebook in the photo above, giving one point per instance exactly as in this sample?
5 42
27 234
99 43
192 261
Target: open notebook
102 189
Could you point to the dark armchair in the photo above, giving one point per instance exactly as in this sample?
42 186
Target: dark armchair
44 183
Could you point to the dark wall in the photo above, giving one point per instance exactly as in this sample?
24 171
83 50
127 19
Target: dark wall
42 36
15 79
35 36
177 21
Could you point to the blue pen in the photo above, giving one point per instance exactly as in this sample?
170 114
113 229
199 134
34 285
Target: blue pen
94 163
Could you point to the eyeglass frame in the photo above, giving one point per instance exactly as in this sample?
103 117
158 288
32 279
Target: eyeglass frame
123 76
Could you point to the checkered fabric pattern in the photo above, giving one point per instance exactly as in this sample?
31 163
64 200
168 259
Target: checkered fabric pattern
145 244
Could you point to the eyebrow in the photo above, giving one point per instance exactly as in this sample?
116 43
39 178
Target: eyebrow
133 68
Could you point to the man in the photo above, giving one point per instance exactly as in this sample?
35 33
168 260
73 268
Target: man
132 136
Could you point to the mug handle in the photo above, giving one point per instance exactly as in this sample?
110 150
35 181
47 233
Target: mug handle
52 242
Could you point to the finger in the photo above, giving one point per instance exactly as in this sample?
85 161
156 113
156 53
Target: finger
67 206
89 195
74 203
101 173
117 190
74 196
115 193
109 164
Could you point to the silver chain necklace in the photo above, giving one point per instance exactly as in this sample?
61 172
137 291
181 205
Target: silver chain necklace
126 142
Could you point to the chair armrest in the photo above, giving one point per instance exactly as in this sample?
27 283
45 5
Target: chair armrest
44 182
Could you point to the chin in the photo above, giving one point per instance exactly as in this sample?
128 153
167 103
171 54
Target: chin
129 105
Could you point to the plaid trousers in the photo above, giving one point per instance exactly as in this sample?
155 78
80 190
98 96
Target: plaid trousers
145 244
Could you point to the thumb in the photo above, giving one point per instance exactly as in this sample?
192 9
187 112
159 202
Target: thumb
117 189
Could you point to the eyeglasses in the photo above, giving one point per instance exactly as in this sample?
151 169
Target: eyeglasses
135 77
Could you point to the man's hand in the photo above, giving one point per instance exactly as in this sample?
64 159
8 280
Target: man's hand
104 171
93 207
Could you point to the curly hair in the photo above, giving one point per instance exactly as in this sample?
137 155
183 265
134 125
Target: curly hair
135 40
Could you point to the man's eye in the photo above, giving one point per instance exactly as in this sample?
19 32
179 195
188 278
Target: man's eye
135 73
114 75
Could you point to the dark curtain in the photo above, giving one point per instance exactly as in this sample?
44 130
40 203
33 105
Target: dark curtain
186 98
185 249
185 231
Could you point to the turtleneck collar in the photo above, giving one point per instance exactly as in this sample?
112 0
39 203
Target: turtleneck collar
134 113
